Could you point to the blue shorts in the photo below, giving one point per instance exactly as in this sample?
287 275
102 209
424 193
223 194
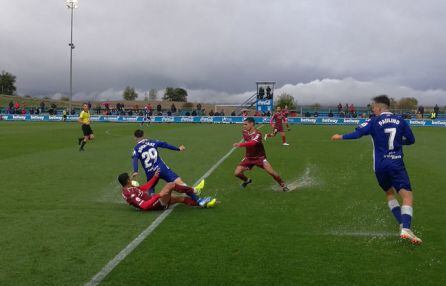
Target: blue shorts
166 174
397 178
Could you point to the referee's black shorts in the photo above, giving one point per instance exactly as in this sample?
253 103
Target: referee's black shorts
86 129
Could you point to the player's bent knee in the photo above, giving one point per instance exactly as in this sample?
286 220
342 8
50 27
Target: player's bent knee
170 186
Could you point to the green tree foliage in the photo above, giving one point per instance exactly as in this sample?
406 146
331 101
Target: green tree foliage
316 106
129 93
393 103
175 94
286 99
7 83
408 103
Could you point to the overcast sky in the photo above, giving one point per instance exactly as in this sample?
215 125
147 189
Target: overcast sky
318 50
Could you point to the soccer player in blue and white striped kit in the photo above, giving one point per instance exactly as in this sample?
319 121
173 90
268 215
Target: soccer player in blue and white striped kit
389 133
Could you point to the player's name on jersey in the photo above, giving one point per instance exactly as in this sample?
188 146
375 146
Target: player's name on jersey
210 119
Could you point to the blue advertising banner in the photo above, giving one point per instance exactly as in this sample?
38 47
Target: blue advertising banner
265 105
213 119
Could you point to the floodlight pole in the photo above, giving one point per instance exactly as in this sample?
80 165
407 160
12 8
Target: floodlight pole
71 4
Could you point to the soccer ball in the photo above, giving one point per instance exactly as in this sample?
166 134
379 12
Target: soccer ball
135 183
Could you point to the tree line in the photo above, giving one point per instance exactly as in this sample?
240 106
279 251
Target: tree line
170 94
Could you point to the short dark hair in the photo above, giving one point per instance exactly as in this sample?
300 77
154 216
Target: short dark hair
139 133
123 179
250 120
383 99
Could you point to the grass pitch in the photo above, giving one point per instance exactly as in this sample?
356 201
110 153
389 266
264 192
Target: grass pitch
62 218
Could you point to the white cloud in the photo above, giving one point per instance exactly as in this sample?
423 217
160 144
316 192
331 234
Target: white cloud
325 92
349 90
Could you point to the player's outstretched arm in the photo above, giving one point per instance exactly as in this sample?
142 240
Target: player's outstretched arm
246 144
166 145
361 130
151 182
336 137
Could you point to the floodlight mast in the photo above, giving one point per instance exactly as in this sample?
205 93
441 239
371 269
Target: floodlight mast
71 4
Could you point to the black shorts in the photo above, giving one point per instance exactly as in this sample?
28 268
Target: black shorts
86 129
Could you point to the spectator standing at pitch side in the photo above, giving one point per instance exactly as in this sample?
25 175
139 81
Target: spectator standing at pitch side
173 108
421 110
436 110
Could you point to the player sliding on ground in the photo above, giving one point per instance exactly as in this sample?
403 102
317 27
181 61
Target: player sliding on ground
146 151
389 133
277 124
141 200
255 155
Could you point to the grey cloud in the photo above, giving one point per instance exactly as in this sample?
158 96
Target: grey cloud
223 47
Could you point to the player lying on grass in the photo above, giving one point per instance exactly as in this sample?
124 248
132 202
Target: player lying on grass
146 151
277 124
255 155
140 199
389 133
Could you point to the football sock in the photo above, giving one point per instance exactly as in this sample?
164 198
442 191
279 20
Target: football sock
406 215
83 144
242 177
186 190
190 202
279 180
395 208
283 139
80 140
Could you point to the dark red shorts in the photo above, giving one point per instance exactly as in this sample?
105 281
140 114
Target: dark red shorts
154 204
251 162
278 128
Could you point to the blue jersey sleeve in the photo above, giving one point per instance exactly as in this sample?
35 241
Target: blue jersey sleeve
135 158
408 137
135 164
166 145
361 130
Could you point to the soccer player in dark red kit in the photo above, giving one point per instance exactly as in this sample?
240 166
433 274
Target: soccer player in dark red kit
286 112
277 123
255 155
139 198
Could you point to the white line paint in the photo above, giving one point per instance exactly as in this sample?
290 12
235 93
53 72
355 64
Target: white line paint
143 235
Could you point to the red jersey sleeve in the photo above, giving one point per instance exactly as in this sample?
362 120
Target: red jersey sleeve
149 184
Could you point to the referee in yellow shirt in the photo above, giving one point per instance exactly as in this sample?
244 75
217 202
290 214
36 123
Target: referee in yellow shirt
84 119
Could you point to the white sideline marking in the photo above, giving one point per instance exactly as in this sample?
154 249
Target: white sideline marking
143 235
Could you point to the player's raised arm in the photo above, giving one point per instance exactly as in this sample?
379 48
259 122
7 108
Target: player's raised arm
166 145
361 130
147 186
